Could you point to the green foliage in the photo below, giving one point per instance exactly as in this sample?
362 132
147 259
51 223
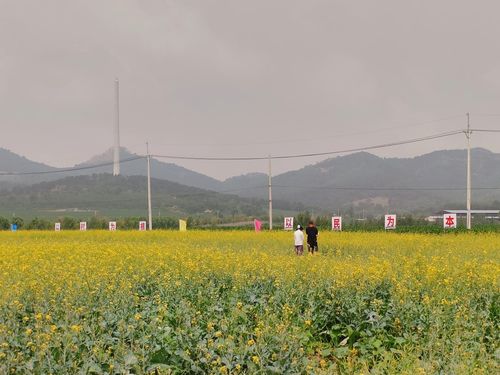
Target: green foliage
96 222
4 223
165 223
40 224
303 218
69 223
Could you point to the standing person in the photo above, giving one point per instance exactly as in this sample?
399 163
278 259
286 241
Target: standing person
298 235
312 237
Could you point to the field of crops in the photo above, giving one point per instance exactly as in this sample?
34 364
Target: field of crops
242 302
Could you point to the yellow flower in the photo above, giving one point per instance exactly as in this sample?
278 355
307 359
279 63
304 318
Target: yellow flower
76 328
255 359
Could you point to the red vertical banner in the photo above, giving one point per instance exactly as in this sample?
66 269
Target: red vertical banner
450 221
337 223
390 222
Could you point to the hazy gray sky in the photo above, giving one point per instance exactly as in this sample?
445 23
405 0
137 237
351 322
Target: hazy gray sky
245 78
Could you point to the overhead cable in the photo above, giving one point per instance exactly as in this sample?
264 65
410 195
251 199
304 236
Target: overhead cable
380 188
290 156
486 130
63 170
294 156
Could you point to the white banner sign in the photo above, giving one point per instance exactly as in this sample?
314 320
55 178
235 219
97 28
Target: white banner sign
288 224
83 225
450 220
112 225
57 227
337 223
142 225
390 222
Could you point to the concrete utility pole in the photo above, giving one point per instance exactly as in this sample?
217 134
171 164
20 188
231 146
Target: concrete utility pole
150 215
468 133
270 186
116 148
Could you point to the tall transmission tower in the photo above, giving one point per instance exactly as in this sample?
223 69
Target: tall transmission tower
116 149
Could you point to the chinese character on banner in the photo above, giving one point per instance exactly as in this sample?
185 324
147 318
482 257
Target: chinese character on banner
83 225
390 221
288 225
337 223
450 220
112 225
142 225
57 227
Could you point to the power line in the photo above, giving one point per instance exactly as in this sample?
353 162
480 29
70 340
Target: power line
64 170
381 188
302 140
293 156
486 130
487 114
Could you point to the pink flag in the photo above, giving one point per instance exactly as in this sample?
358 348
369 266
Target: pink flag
257 224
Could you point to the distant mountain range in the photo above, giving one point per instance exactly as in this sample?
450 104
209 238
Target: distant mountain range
159 170
351 183
11 162
430 182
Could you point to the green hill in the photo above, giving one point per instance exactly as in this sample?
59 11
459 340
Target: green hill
108 195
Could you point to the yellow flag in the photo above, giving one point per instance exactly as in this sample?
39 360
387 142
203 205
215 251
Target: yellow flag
182 225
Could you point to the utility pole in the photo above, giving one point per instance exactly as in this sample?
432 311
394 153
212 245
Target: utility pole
468 133
150 218
270 186
116 147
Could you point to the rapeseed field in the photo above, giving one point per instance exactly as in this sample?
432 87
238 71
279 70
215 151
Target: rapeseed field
241 302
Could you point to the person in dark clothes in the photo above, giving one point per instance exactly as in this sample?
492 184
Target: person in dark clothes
312 237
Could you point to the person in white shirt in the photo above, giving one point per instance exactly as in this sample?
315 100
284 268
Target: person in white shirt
299 240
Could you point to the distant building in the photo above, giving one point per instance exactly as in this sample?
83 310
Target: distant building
489 214
434 218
